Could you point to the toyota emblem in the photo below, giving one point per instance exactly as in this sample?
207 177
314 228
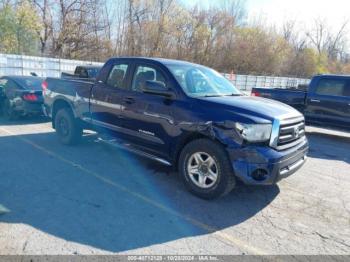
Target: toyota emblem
296 132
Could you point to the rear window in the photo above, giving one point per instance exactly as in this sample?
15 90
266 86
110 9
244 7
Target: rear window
30 83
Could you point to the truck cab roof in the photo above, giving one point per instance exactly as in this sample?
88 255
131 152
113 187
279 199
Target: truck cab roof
164 61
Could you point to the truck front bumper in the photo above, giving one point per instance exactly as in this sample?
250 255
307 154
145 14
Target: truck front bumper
266 166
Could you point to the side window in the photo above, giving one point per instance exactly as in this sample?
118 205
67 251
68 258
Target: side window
146 73
331 87
117 76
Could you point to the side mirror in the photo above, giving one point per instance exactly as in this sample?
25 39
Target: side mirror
157 88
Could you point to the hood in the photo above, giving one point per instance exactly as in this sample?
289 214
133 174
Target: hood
255 108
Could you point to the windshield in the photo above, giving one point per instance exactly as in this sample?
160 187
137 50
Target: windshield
30 83
200 81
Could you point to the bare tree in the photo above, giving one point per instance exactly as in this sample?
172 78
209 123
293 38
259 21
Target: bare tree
46 20
325 41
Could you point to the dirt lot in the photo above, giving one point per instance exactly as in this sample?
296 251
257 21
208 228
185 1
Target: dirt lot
94 199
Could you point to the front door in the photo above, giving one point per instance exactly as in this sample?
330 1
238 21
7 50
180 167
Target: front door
148 117
328 104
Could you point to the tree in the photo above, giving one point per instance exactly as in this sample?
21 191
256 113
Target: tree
18 27
45 14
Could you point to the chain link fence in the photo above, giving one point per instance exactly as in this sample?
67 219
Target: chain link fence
53 67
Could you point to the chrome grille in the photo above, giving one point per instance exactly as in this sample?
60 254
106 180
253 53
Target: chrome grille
291 133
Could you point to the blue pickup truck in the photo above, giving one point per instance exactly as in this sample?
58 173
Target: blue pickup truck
183 115
325 102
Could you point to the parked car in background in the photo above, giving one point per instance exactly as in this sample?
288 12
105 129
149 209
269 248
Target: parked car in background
20 96
183 115
88 72
325 102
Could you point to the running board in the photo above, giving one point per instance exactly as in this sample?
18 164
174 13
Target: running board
128 147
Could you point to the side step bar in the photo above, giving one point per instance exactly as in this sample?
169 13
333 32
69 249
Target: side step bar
128 147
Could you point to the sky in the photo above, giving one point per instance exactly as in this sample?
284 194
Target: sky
335 12
275 12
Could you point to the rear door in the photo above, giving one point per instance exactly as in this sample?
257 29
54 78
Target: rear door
106 104
327 102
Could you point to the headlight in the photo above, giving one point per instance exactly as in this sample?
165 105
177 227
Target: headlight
254 132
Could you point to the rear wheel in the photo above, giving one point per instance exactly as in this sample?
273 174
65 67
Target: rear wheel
205 169
67 127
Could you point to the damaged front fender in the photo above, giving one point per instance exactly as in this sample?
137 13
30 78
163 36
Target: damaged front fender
224 132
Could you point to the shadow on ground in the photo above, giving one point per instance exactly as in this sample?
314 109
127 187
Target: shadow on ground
329 146
25 120
118 202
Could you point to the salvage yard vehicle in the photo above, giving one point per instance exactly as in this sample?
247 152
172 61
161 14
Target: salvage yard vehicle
88 72
20 96
183 115
325 102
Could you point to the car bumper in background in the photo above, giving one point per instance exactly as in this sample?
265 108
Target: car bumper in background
26 108
265 165
46 110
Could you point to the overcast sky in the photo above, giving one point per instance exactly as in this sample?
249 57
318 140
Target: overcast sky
335 12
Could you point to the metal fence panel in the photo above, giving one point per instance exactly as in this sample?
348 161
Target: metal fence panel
42 66
247 82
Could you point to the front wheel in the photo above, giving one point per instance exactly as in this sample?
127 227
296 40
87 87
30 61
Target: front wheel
67 127
206 170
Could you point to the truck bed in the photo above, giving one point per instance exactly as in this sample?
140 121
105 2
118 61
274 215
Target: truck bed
74 92
68 86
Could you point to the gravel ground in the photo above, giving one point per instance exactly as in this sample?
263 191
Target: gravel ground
94 199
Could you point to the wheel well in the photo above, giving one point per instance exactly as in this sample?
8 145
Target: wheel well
184 142
58 104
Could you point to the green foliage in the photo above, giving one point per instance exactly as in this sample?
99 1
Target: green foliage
19 26
7 30
322 64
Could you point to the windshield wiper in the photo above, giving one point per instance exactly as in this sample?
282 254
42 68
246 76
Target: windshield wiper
234 95
221 95
213 95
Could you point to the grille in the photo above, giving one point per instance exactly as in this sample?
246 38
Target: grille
291 133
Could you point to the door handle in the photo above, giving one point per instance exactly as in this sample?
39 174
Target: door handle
129 100
315 100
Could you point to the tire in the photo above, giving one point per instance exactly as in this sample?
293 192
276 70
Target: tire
67 127
201 150
8 111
